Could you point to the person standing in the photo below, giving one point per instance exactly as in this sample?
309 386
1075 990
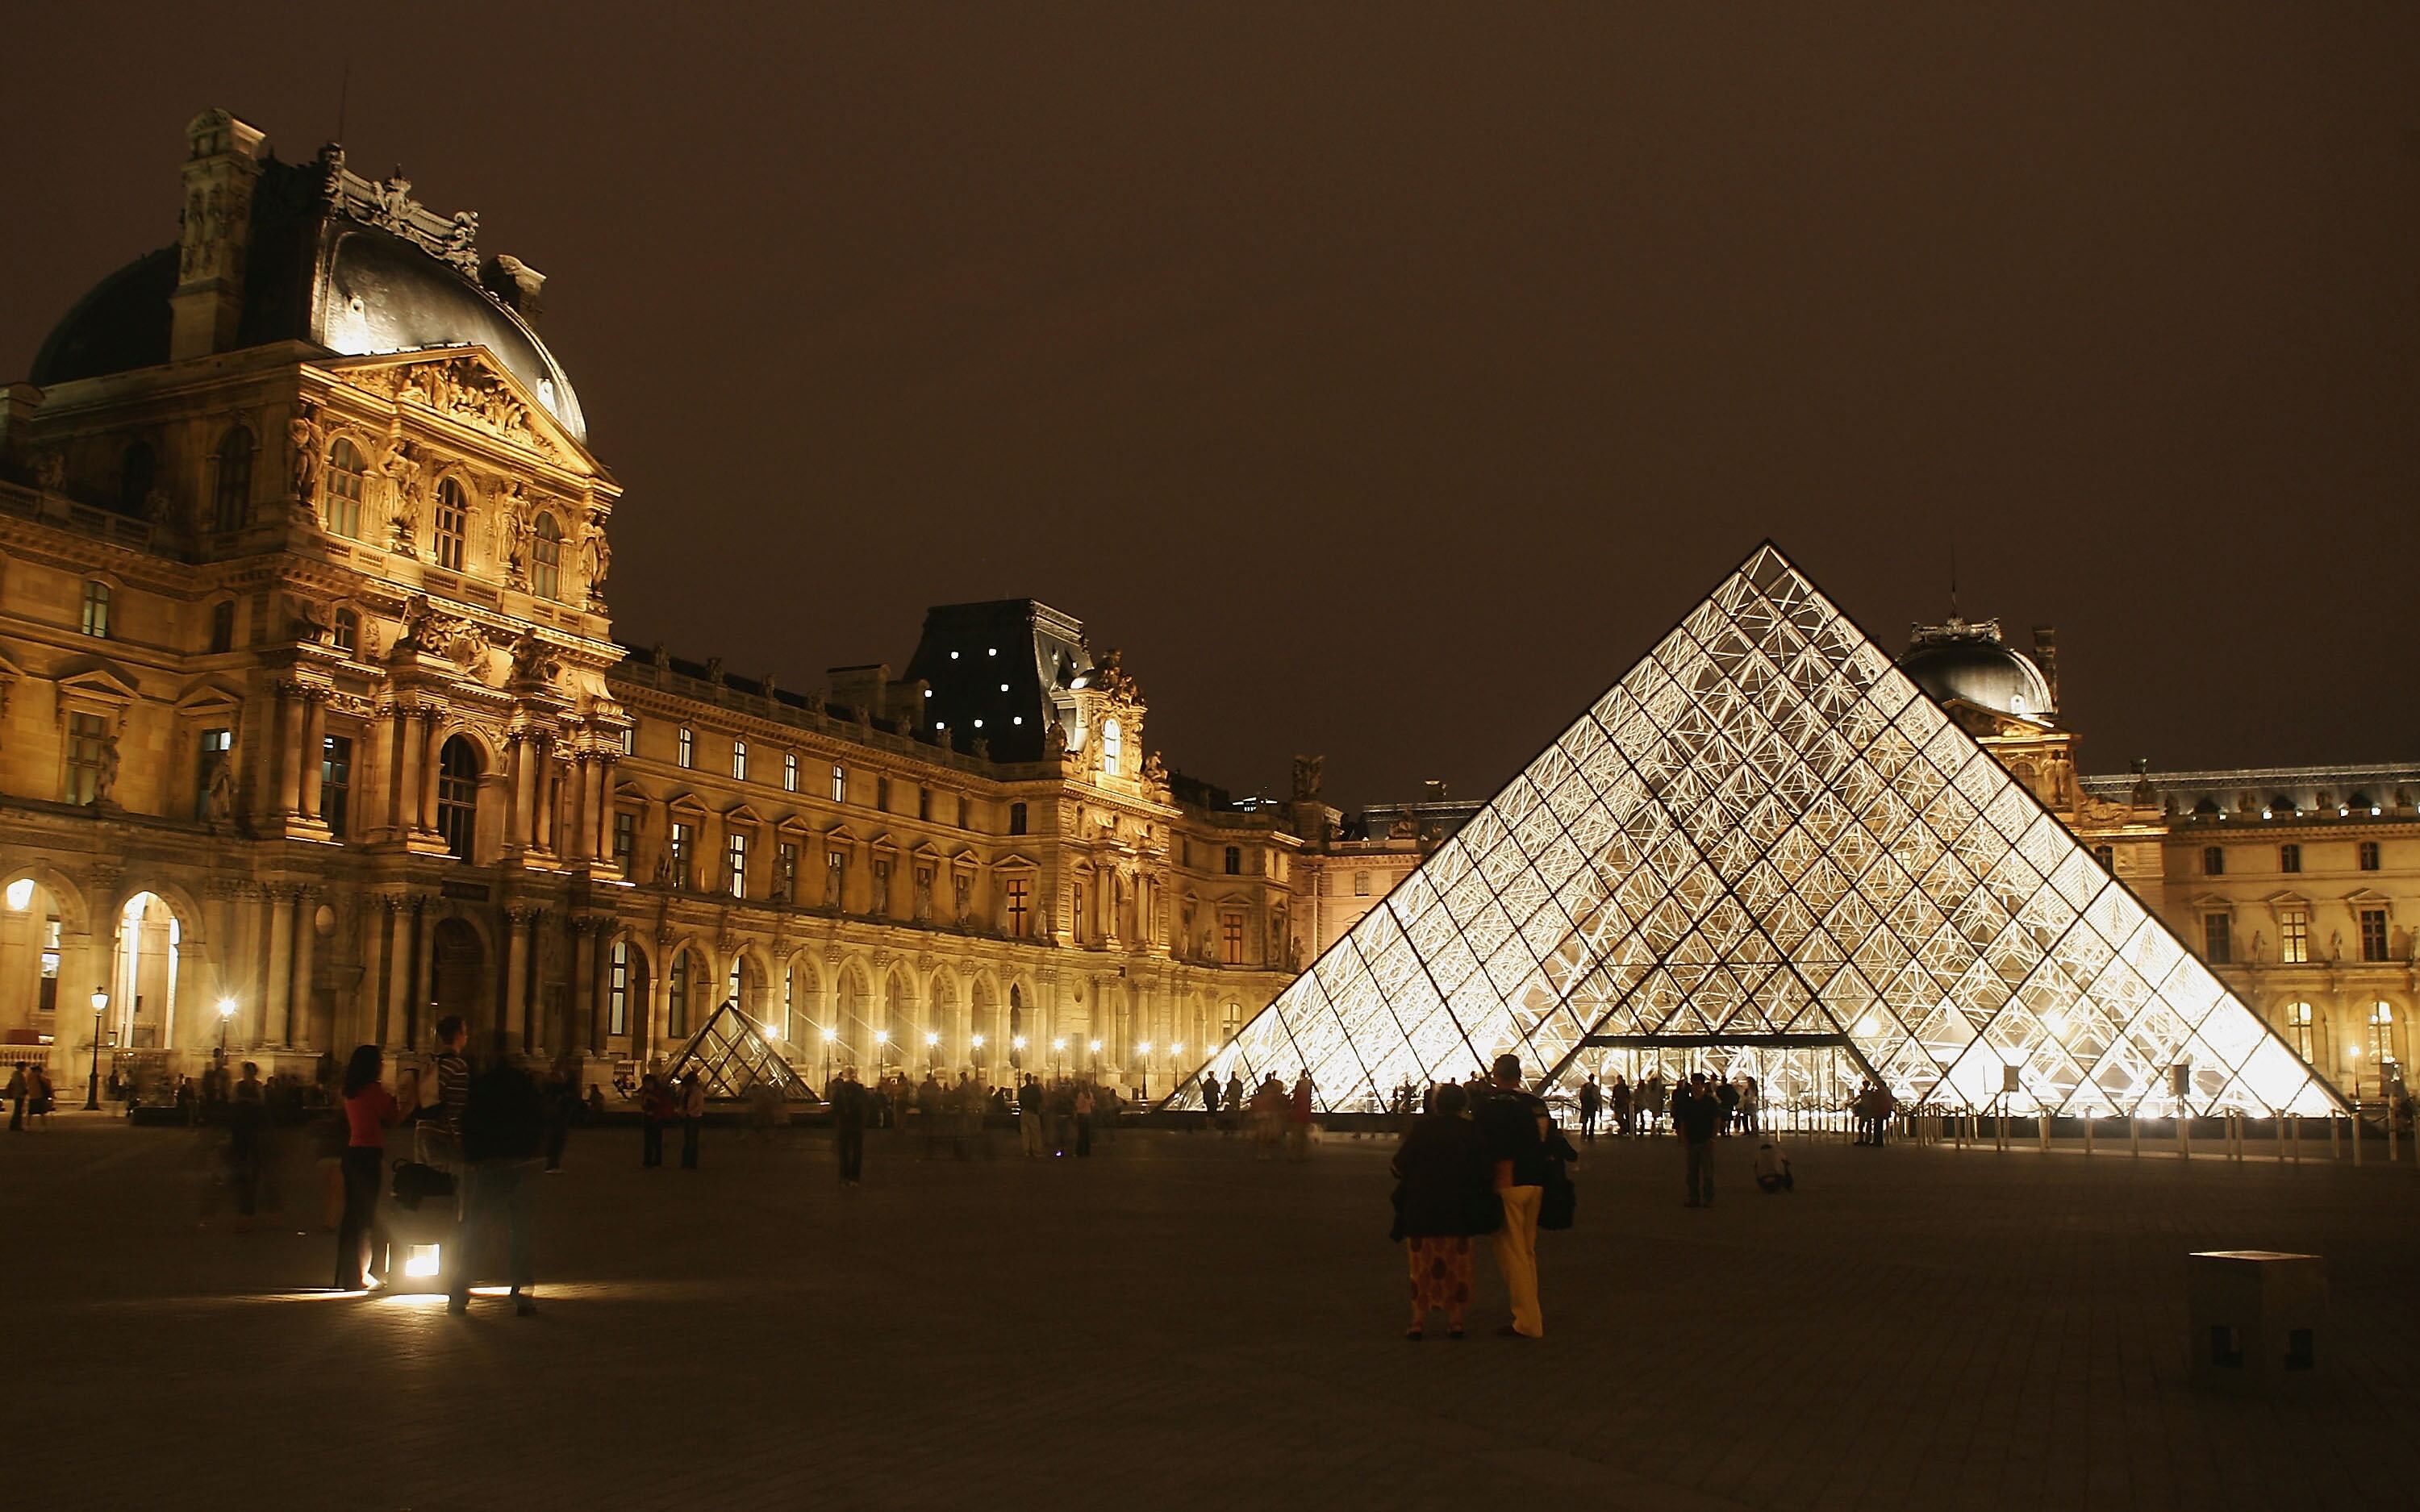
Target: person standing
1622 1110
1651 1101
560 1100
19 1089
1028 1116
656 1110
692 1111
504 1129
1697 1117
1297 1116
370 1111
1591 1099
1447 1196
1513 1124
1083 1120
1210 1098
453 1082
1235 1103
1751 1103
848 1126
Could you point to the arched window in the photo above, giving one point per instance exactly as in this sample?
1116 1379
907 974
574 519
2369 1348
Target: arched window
231 497
347 631
545 558
96 608
340 503
457 795
2298 1029
1112 745
686 971
453 524
134 473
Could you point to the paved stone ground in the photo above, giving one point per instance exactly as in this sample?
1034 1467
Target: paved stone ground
1173 1324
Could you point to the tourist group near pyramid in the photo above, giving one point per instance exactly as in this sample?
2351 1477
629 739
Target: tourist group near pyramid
1765 841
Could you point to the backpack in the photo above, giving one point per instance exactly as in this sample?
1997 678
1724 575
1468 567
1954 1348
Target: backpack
417 1182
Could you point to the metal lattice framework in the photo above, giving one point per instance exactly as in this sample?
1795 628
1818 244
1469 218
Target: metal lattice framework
1765 833
735 1058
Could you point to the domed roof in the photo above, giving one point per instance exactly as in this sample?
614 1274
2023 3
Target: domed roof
1973 663
321 271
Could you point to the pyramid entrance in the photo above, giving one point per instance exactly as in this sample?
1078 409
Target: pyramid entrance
1764 845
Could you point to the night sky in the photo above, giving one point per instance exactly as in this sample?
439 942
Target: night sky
1384 378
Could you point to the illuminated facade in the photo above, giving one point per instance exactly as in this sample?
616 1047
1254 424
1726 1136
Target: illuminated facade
1767 841
311 706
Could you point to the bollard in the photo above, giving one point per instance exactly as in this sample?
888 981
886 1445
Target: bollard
2295 1139
2134 1134
2088 1121
2042 1127
2391 1156
2185 1136
2352 1131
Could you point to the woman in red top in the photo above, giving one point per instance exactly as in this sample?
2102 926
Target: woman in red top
370 1111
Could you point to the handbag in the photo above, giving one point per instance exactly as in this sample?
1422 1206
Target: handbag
1559 1201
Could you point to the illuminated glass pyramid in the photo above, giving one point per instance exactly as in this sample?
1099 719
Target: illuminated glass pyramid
732 1054
1766 835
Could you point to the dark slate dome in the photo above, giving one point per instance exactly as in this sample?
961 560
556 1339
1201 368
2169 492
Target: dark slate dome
320 271
1982 670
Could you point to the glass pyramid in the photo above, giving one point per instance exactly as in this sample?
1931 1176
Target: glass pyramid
735 1059
1766 835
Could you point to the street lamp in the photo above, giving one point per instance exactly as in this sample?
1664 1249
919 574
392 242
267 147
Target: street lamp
92 1082
976 1044
830 1035
226 1016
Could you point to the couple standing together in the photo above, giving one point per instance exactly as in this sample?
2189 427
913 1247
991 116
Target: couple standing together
1468 1170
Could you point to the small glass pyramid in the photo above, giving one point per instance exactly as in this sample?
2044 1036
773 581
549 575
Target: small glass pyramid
735 1059
1766 835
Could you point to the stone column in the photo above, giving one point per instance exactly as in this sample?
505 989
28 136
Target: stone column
521 823
277 985
418 1020
315 739
290 706
579 780
432 753
584 1029
306 948
659 1006
408 758
398 970
512 1015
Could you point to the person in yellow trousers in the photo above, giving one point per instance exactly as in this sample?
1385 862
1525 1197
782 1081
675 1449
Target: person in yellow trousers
1514 1125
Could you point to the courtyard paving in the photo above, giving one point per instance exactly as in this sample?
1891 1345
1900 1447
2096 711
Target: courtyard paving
1176 1324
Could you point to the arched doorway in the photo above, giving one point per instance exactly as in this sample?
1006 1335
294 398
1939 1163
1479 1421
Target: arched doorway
32 945
459 976
146 963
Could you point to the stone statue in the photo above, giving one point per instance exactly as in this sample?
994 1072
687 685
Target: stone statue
2259 945
963 887
308 620
835 870
1155 771
104 783
879 906
514 526
306 439
219 803
923 895
533 660
51 472
664 867
156 504
401 468
786 880
1054 742
2335 945
596 557
1305 777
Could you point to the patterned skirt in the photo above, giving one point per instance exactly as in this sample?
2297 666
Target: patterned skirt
1440 1273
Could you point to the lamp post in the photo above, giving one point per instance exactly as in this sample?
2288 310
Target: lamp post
226 1016
977 1043
92 1082
1142 1075
830 1035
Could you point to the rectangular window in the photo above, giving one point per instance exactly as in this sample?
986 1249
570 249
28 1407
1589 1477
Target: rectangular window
96 610
685 746
2373 935
839 783
882 794
790 772
1231 936
2217 939
617 992
962 810
2298 1029
626 839
2213 861
786 871
46 997
630 738
2106 855
2290 858
1360 884
676 1008
2293 935
2369 855
452 526
1235 860
1020 903
683 842
735 856
87 739
739 759
223 627
1017 819
215 744
336 781
1075 911
925 802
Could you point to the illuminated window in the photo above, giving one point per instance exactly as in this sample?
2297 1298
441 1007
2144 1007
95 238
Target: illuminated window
453 524
231 491
2380 1024
336 781
340 497
215 744
630 738
626 839
347 631
734 857
739 759
1231 936
786 869
2217 939
545 558
457 795
1112 745
2293 935
685 746
839 783
2213 861
1019 906
2298 1029
617 991
2369 855
2290 858
684 845
2373 935
96 608
790 772
88 738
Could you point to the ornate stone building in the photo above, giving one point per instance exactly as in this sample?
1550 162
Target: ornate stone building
313 724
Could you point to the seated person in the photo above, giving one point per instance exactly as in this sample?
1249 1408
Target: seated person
1773 1169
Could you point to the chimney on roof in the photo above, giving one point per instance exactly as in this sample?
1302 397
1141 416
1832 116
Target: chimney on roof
2046 657
517 283
222 165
